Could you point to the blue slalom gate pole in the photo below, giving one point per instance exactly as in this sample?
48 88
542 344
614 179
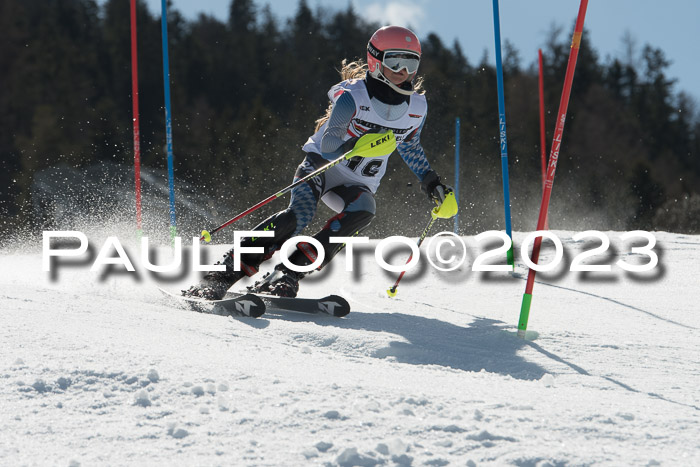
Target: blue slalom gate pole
168 120
502 128
456 187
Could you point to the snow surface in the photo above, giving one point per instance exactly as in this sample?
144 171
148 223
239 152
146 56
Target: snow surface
97 368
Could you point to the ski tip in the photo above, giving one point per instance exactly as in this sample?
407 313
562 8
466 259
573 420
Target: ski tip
206 236
256 310
334 305
247 306
391 292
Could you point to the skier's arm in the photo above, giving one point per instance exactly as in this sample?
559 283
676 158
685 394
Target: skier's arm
332 143
413 154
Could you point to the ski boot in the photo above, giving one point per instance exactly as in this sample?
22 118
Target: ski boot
214 285
282 282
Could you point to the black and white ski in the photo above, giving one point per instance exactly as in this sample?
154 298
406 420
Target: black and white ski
333 305
235 305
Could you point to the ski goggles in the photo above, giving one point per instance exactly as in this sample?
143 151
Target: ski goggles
400 59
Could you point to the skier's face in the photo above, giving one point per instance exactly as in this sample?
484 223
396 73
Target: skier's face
396 77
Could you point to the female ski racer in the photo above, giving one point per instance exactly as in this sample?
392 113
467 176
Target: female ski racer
377 97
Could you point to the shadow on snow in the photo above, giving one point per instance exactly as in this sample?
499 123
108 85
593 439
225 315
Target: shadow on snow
480 345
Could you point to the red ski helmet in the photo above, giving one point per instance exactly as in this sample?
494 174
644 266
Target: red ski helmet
395 48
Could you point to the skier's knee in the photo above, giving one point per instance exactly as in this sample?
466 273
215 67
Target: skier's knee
284 225
364 202
348 224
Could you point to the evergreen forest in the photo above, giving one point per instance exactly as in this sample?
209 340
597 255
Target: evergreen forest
246 93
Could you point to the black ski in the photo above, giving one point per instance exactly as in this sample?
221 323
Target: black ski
235 305
332 305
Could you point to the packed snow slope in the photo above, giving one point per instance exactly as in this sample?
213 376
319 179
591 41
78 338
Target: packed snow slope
97 368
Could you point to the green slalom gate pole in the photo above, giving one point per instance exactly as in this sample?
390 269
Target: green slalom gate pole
552 166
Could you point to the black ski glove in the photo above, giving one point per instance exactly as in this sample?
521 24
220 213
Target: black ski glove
432 186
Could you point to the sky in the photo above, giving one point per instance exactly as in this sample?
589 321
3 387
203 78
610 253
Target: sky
668 25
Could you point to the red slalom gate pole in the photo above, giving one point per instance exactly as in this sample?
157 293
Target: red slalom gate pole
543 150
135 113
543 147
552 165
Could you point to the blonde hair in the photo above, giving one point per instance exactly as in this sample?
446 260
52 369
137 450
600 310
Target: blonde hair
357 70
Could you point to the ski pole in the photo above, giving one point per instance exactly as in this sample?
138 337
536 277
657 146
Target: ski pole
392 290
369 145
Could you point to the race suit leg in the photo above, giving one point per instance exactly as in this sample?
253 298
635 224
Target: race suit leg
285 224
359 210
